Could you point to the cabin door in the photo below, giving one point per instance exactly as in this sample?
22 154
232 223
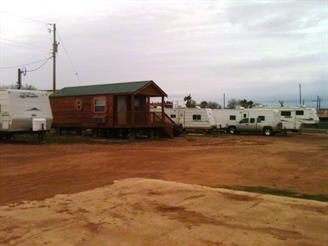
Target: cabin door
122 110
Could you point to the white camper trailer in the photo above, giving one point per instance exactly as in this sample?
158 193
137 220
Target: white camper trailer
24 111
192 119
266 121
226 117
293 118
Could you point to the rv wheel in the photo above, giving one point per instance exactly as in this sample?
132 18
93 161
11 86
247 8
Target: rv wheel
232 130
267 131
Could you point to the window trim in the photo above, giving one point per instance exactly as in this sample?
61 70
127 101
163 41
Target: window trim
232 117
104 105
196 117
260 118
286 113
299 112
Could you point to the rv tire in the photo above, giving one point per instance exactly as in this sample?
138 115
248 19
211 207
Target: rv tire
232 130
267 131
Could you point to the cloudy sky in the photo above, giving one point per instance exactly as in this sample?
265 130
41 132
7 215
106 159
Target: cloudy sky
258 50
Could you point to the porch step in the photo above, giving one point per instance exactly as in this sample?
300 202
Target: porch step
168 129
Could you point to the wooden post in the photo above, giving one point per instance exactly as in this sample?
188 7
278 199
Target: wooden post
148 110
132 111
163 105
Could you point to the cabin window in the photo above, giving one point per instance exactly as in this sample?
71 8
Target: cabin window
245 115
286 113
251 120
100 105
232 117
173 116
196 117
78 105
261 118
299 112
138 103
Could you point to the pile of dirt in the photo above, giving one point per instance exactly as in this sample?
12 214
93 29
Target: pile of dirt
154 212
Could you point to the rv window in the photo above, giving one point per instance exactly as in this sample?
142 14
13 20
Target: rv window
299 112
232 117
260 118
196 117
100 105
173 116
286 113
252 120
245 120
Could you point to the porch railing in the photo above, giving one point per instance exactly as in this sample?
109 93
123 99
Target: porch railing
142 118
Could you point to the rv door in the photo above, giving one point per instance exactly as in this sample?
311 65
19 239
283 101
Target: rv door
181 118
5 121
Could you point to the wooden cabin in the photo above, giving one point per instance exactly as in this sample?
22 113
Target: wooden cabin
111 109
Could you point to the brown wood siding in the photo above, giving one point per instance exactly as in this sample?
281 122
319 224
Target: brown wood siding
66 113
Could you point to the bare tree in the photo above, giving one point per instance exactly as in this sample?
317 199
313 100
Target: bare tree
190 103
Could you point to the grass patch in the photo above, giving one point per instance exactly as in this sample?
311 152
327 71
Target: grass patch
278 192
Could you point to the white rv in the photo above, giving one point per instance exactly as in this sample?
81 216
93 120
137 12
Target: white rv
266 121
226 117
192 119
293 118
24 111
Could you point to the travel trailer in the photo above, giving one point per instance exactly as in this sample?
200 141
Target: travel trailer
24 111
293 118
192 119
226 117
266 121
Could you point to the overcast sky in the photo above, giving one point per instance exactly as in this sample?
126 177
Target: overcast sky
258 50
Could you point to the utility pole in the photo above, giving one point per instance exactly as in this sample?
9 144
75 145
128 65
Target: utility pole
54 51
318 102
223 100
19 81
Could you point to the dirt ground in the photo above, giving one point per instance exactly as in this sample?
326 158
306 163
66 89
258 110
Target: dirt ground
153 212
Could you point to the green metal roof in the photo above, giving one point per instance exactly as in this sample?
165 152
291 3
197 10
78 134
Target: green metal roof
116 88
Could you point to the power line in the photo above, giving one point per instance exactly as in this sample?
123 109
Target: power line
26 64
21 45
26 18
44 63
69 58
